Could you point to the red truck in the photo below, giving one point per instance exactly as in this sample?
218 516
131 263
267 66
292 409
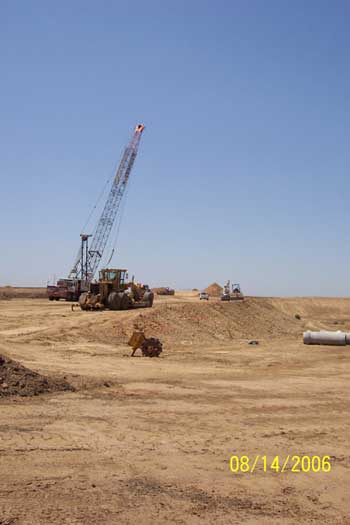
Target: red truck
68 289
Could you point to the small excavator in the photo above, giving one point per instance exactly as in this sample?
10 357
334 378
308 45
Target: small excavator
112 291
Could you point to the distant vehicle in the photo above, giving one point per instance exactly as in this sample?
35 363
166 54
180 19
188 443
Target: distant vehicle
165 291
232 292
204 295
68 289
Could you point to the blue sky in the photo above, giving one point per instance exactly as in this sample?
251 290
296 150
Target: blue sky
242 172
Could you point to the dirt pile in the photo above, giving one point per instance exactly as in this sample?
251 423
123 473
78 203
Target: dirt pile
214 290
212 322
175 322
15 379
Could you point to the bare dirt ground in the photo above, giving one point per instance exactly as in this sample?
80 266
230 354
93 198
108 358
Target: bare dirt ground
149 440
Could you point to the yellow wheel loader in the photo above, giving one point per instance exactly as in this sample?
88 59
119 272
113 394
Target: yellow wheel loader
112 291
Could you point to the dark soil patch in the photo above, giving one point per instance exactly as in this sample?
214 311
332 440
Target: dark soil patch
15 379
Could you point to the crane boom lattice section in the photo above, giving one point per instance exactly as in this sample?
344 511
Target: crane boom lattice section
110 211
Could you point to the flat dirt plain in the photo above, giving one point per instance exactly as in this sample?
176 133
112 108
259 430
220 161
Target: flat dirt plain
148 441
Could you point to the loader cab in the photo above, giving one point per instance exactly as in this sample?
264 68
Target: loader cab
113 276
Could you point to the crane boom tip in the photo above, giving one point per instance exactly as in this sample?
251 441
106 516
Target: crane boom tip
140 128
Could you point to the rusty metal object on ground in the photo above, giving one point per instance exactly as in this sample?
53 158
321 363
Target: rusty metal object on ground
136 340
150 347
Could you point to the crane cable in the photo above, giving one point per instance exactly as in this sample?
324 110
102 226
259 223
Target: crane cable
116 228
110 177
96 203
134 142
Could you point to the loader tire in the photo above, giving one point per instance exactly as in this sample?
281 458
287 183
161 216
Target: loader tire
149 298
114 301
125 302
82 301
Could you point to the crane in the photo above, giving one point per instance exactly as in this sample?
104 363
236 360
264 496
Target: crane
88 258
104 226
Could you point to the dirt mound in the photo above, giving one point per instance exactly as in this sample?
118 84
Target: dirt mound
214 289
15 379
213 322
176 322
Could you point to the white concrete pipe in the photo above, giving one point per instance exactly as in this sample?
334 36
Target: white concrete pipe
327 338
